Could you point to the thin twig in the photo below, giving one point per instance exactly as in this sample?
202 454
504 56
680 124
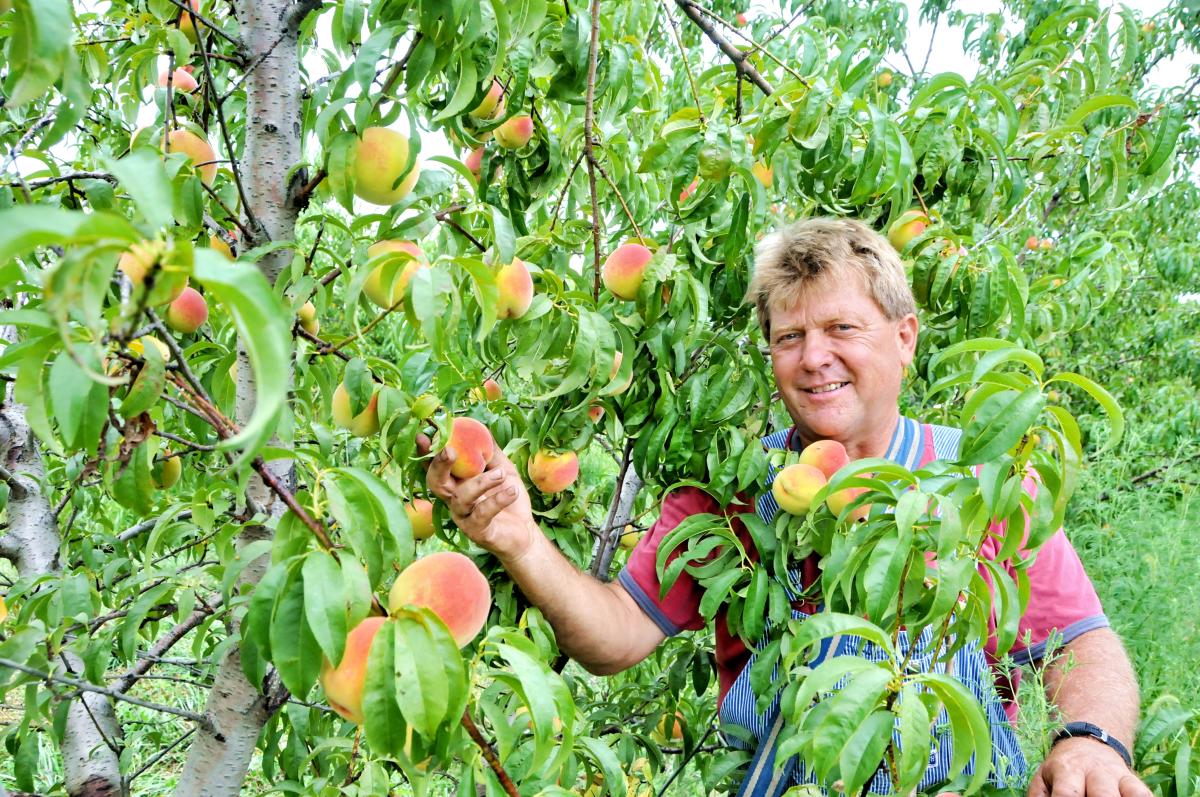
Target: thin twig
566 189
687 69
624 206
589 122
489 755
734 54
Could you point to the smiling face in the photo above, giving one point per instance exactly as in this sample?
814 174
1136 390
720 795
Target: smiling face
838 363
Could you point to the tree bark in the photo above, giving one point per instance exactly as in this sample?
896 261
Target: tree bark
620 512
237 710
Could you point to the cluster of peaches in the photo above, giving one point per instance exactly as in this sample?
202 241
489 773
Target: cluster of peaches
796 487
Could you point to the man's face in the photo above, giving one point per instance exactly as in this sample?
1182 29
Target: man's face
838 363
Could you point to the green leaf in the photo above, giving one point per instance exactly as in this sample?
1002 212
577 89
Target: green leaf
148 386
1116 418
968 726
386 729
809 631
1094 104
999 424
142 175
294 649
325 603
431 683
915 738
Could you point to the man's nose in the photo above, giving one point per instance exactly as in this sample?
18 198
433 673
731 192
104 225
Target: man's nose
817 352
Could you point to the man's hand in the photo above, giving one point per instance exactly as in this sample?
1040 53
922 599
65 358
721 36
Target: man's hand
492 508
1083 767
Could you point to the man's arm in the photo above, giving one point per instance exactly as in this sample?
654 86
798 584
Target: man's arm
597 624
1094 682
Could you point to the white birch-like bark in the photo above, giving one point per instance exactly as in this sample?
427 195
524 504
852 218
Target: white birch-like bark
237 710
92 735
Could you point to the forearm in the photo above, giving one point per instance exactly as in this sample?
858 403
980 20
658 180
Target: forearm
1093 681
596 624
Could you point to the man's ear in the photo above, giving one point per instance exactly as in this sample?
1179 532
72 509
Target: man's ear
906 338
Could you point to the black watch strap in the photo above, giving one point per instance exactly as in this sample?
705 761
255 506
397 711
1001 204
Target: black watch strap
1075 729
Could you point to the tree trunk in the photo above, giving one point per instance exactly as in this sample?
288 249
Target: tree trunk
237 709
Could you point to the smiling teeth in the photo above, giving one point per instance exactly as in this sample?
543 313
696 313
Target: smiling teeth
827 388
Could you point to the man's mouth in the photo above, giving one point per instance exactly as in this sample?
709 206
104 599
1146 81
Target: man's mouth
827 388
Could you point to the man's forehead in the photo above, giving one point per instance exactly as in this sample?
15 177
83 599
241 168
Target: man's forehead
820 307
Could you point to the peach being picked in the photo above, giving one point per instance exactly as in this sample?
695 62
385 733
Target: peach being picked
344 683
381 158
188 312
624 270
795 487
361 425
472 445
386 296
552 473
451 586
515 286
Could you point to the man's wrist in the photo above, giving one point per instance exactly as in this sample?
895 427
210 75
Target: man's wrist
1086 730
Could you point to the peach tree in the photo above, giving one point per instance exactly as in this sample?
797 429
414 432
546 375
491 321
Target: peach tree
249 252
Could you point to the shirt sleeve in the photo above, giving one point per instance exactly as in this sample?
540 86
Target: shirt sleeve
1062 599
679 609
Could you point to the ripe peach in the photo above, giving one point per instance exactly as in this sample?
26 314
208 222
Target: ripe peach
380 160
795 486
181 79
361 425
218 244
198 151
624 269
187 23
763 173
374 288
516 290
676 729
616 366
344 683
472 445
166 470
516 132
307 315
595 413
486 109
687 192
451 586
420 516
827 456
741 20
552 473
910 224
1031 242
474 161
884 78
188 312
140 259
489 391
1046 243
842 498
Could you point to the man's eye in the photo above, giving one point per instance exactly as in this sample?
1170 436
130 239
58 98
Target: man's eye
843 327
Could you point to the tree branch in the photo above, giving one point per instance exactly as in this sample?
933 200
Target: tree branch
735 55
589 122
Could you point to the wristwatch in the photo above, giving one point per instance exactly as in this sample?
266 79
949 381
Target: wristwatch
1074 729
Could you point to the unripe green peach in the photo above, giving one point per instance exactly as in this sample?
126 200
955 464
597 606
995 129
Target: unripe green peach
451 586
380 159
624 270
361 425
166 470
795 487
552 473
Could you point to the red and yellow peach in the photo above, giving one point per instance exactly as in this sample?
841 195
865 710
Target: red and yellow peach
552 473
624 270
381 158
451 586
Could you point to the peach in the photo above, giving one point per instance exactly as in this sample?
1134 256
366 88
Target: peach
361 425
763 173
474 161
140 260
676 729
139 346
198 151
166 470
516 132
795 486
181 79
616 366
595 413
307 316
842 498
516 290
630 537
451 586
489 391
218 244
687 192
188 312
1031 242
624 269
380 160
374 287
425 405
741 20
486 109
344 683
910 224
420 516
827 456
552 473
472 445
884 78
187 23
1046 243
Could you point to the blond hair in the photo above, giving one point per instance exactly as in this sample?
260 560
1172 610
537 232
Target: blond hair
790 261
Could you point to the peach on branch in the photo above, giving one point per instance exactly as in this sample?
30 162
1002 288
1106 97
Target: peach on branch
472 446
451 586
374 288
166 470
624 270
344 683
795 487
843 498
827 456
1046 243
688 191
198 151
595 413
187 23
763 173
884 78
181 79
138 347
616 366
217 243
474 161
420 517
741 20
515 286
552 473
307 316
486 109
140 260
489 391
187 312
910 224
1031 242
515 132
381 158
630 537
361 425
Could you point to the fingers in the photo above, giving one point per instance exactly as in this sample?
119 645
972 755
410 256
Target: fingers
498 498
1131 786
424 444
466 493
1101 783
1062 781
1037 786
441 482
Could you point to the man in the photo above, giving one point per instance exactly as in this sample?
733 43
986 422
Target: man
836 309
